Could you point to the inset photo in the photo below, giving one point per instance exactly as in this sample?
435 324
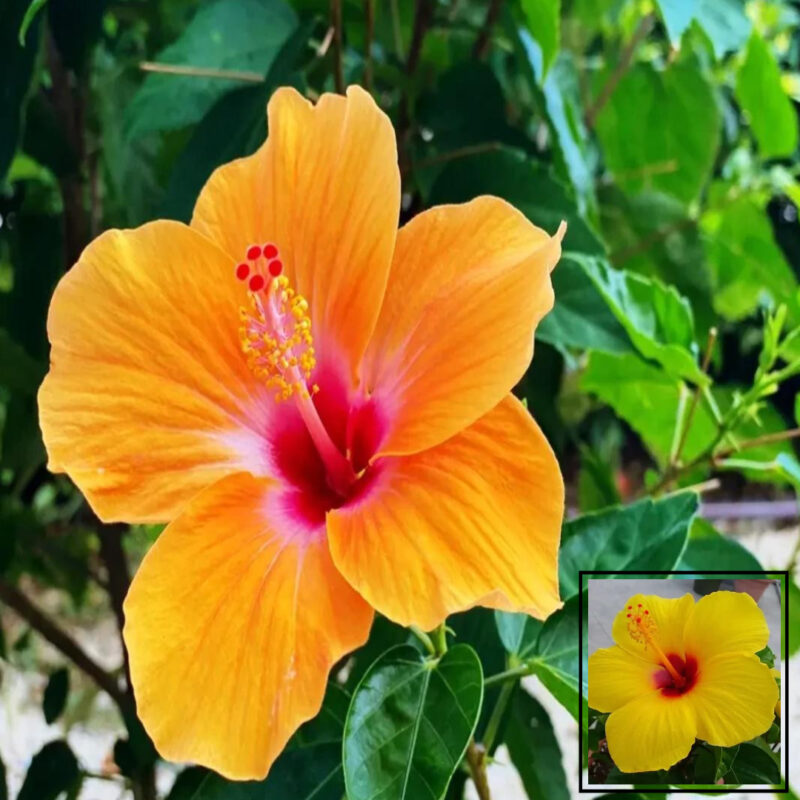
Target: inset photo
684 682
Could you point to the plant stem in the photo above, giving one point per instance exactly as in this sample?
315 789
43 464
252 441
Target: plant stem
493 725
64 643
481 46
440 640
202 72
426 640
767 438
513 673
625 62
476 758
336 23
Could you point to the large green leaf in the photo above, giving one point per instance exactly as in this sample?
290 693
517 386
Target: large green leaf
708 549
677 16
771 114
18 371
534 749
649 400
748 267
518 632
526 184
55 695
643 537
409 724
657 319
544 23
580 317
53 771
725 23
245 36
754 765
660 129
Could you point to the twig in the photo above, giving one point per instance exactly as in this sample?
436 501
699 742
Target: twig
476 758
481 46
423 17
369 23
426 640
626 59
620 257
461 152
64 643
398 34
493 725
336 24
710 342
508 675
202 72
757 441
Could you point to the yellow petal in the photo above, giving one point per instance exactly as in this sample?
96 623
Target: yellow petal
662 618
233 622
734 699
616 677
325 188
650 733
467 287
725 622
149 399
474 521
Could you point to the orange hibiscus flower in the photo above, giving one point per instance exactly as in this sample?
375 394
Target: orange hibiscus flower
319 405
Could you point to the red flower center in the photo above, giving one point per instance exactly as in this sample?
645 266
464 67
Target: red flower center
685 668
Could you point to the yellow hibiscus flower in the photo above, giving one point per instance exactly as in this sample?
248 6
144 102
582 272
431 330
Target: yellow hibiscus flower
682 671
319 405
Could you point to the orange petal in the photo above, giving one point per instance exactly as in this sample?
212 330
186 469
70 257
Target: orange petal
468 285
474 521
232 625
725 622
149 399
326 189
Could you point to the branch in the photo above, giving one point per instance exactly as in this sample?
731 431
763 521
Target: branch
481 46
63 642
639 35
202 72
476 758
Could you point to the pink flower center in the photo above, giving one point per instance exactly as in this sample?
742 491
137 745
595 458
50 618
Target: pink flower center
686 669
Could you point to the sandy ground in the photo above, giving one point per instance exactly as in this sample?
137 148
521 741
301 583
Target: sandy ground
23 729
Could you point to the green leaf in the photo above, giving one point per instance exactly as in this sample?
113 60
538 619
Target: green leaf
643 537
677 16
15 77
660 130
770 111
534 749
793 601
527 184
556 656
409 723
55 695
706 764
187 783
3 782
18 371
766 656
657 319
244 36
214 142
753 765
748 267
581 318
518 632
33 9
708 549
725 23
544 23
53 770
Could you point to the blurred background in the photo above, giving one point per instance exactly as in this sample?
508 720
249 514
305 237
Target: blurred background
664 131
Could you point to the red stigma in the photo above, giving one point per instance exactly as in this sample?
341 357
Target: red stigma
270 251
646 611
638 619
629 615
253 252
257 283
275 268
640 605
630 607
242 271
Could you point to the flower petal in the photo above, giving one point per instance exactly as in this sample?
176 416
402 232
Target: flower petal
232 625
475 521
734 699
725 622
467 287
664 623
616 677
650 733
148 388
325 188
